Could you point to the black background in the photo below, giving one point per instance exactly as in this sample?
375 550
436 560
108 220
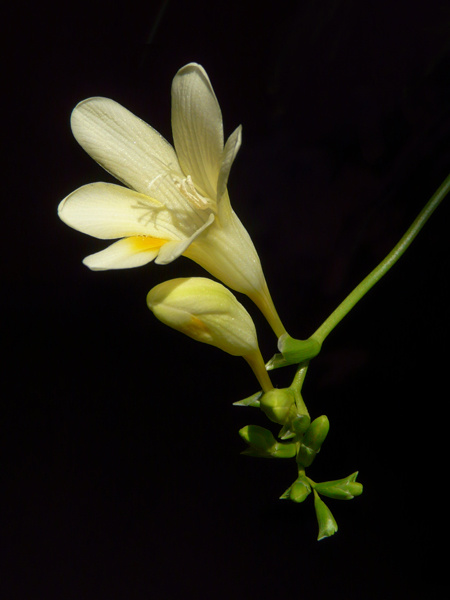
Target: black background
120 470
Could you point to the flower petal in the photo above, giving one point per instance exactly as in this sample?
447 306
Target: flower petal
106 211
127 148
173 250
197 127
229 154
125 254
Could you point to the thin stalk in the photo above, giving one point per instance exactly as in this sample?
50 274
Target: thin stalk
374 276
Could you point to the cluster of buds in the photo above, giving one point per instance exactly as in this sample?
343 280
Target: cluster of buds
305 441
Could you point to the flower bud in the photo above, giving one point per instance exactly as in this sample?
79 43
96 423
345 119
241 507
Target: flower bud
205 311
312 440
263 444
258 437
300 489
278 405
341 489
326 521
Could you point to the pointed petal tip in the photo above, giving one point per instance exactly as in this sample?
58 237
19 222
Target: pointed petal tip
192 66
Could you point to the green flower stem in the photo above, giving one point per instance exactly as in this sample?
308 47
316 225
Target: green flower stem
299 377
329 324
296 387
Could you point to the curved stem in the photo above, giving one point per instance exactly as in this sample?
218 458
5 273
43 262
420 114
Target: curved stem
299 376
360 290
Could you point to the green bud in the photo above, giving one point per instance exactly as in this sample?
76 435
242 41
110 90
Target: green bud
326 521
284 450
300 489
341 489
258 437
263 444
316 433
312 440
278 405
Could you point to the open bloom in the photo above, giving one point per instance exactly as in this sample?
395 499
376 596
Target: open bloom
176 200
208 312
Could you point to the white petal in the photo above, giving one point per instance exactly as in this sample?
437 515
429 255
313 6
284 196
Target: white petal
108 211
229 154
120 255
173 250
197 127
127 148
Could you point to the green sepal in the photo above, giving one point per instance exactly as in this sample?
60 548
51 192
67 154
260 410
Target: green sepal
326 521
296 426
286 432
312 440
341 489
263 444
287 494
293 352
276 362
298 491
252 400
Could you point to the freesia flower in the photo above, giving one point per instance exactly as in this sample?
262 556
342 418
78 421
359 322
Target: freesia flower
208 312
176 200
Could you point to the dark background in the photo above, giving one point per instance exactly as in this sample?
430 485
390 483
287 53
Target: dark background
120 472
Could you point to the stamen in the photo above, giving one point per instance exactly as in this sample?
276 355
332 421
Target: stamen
187 188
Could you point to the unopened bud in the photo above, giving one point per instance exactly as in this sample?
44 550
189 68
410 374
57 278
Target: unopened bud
205 311
312 440
258 437
341 489
300 489
263 444
326 521
278 405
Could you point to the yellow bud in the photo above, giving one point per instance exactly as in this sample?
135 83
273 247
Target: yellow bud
205 311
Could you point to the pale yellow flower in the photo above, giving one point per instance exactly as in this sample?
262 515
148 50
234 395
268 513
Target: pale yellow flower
176 200
208 312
